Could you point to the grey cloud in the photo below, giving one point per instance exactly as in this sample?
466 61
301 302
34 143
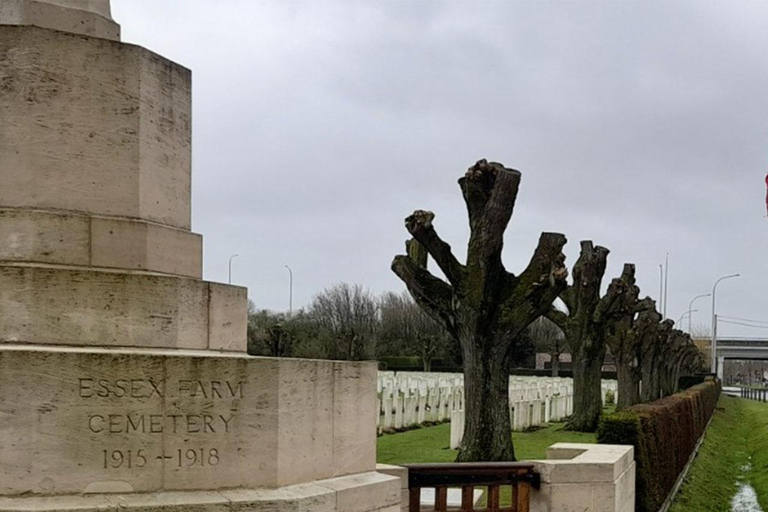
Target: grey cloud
320 125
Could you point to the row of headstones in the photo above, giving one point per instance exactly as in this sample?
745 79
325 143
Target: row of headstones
415 398
533 412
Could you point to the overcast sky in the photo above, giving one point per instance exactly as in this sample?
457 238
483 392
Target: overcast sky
318 126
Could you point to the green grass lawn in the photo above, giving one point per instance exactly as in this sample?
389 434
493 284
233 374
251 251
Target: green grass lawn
737 439
431 444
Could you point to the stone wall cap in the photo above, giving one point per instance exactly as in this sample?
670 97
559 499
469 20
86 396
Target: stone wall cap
581 463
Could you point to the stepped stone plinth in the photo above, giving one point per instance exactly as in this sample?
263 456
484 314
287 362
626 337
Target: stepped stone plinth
124 382
95 166
85 17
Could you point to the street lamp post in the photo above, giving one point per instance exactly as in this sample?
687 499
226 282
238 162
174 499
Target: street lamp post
230 267
686 313
690 305
661 288
290 291
713 365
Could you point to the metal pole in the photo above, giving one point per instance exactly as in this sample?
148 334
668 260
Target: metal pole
666 283
230 267
290 291
714 324
661 287
690 305
680 321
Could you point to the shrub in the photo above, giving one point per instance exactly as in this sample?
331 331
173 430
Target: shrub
664 434
688 381
610 398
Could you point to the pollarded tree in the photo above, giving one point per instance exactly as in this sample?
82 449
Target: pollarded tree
655 335
680 356
482 305
585 327
622 336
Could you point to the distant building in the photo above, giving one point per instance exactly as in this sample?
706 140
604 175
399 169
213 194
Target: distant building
544 362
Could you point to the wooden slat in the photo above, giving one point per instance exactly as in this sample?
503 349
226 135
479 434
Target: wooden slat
414 499
468 476
467 499
515 493
441 499
493 498
523 498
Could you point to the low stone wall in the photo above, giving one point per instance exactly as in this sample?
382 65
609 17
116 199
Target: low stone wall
574 477
586 477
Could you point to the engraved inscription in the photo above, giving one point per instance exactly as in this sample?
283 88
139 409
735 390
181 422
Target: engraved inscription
128 394
116 459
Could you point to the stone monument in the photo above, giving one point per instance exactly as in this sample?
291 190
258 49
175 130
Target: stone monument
124 382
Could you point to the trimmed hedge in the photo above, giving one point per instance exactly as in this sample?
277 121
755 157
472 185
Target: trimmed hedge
664 434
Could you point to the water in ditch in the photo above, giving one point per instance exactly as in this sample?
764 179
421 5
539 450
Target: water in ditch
745 499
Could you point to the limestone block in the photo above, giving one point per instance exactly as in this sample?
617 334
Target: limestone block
295 498
77 420
227 317
93 126
311 497
354 449
85 17
586 478
306 435
365 492
69 306
396 471
169 502
584 463
38 236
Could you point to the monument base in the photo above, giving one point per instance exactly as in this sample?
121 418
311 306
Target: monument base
80 421
365 492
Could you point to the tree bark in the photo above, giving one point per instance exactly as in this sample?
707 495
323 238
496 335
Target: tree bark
587 390
628 378
487 426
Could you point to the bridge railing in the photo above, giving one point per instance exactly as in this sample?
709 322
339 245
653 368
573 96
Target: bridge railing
760 395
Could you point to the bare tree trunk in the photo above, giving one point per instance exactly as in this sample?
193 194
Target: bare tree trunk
650 383
427 363
585 327
555 364
487 427
629 383
587 392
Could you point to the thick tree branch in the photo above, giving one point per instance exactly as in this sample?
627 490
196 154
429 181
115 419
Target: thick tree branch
417 252
647 304
538 285
419 224
559 318
429 292
490 192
